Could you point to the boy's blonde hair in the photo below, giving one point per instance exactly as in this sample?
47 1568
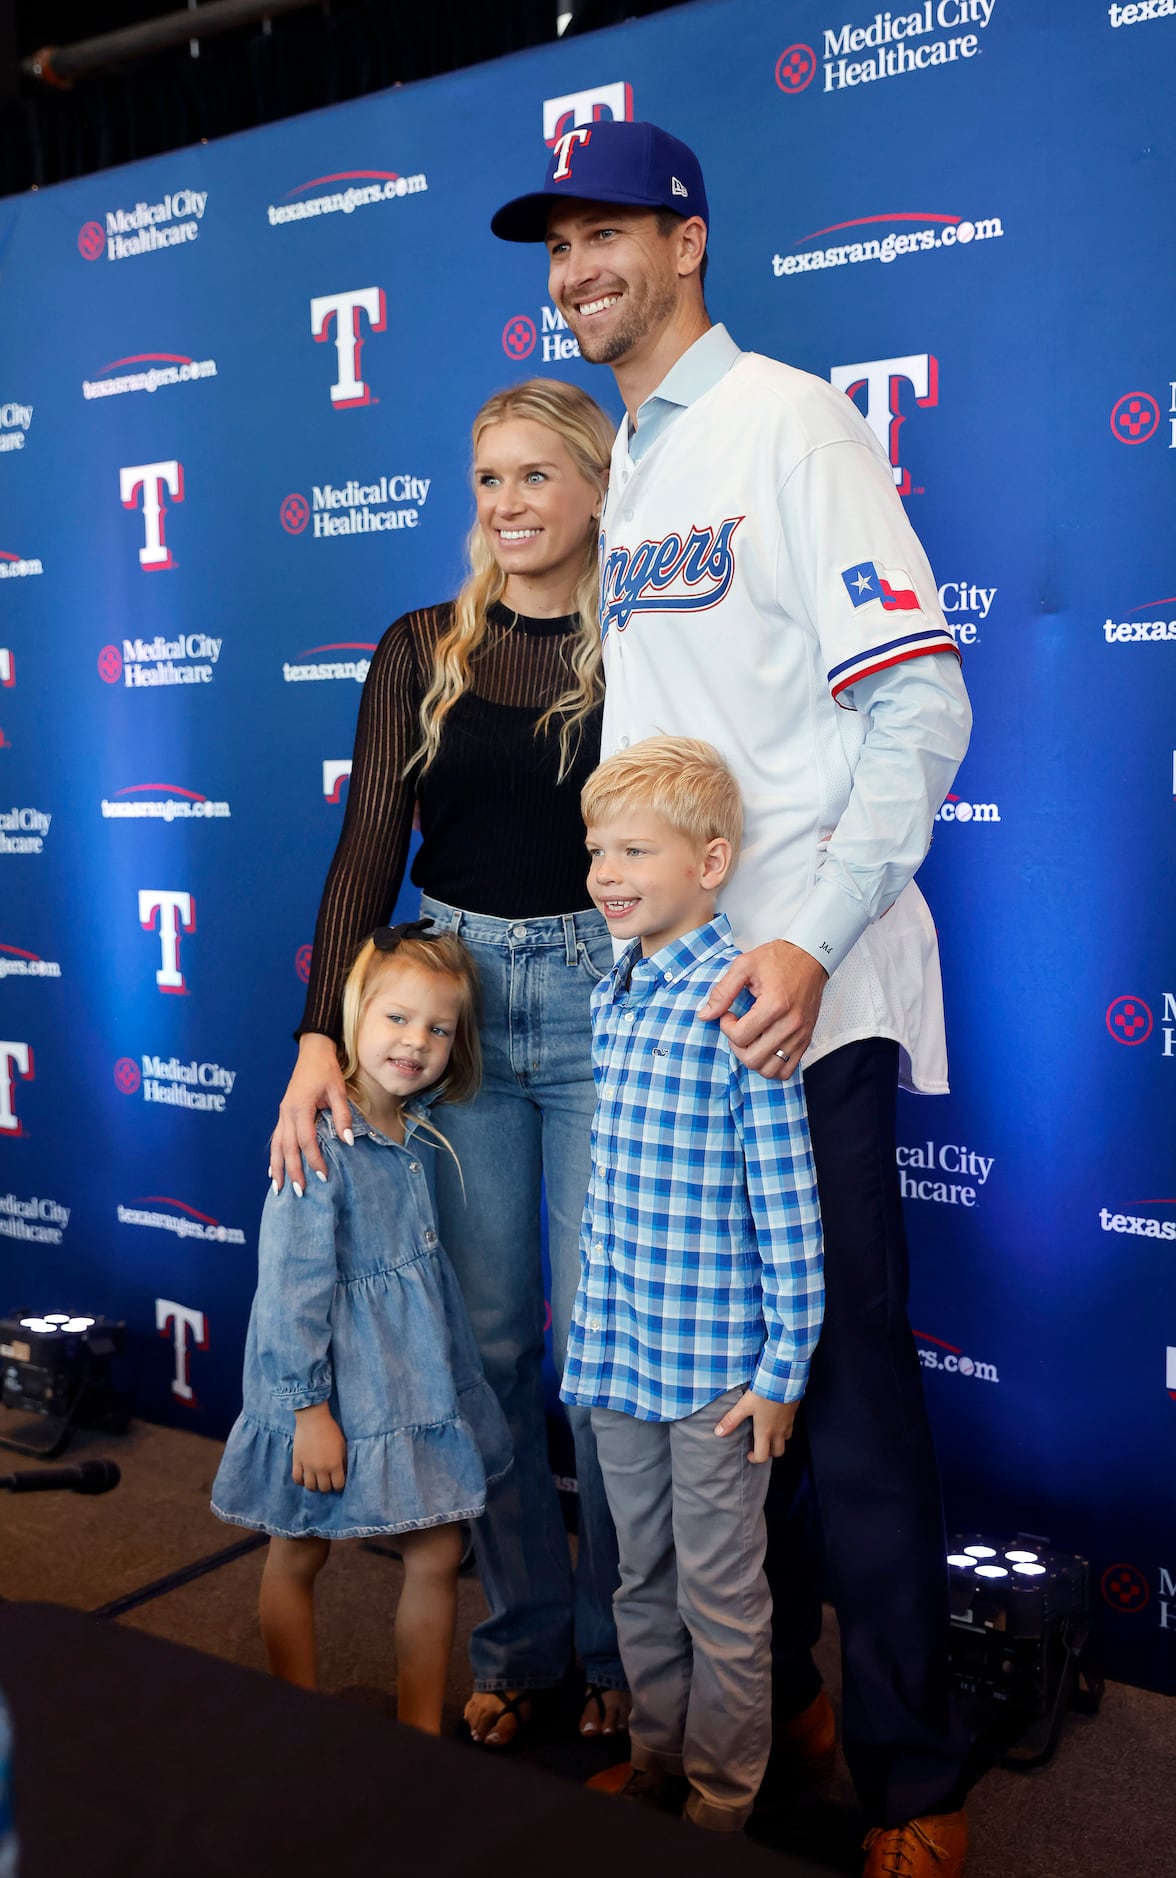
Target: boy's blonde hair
685 780
444 955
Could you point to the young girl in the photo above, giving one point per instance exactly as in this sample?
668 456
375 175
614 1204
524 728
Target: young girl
365 1407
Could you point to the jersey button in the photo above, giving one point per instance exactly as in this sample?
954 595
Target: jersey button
414 1167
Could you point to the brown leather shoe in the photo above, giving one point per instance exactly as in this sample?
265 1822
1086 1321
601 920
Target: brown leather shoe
934 1846
804 1749
665 1793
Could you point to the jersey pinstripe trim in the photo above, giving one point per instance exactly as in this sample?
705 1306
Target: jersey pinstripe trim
891 652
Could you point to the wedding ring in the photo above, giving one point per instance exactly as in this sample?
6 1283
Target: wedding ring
783 1055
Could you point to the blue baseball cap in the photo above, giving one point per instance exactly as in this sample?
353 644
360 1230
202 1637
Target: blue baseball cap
636 165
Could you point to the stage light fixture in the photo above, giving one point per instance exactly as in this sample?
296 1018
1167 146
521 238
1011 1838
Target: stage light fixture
56 1365
1020 1622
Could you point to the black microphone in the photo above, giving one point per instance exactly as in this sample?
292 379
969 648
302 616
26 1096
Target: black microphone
89 1477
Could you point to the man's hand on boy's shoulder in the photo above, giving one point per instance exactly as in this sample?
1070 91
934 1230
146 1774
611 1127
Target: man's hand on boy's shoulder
786 984
771 1424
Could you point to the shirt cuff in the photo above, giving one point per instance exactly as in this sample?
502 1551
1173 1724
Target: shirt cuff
780 1381
828 925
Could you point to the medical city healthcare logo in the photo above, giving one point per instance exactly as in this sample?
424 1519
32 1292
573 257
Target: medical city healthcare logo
364 190
883 382
1136 417
146 229
938 232
23 831
890 45
1131 1020
42 1221
385 504
177 1084
15 420
146 663
521 335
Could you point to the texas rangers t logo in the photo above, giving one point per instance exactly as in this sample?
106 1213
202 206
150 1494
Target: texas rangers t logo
640 581
563 148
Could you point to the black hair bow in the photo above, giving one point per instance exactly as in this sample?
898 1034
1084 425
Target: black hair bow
387 938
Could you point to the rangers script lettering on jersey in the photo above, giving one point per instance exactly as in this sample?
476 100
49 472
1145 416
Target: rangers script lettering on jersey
645 581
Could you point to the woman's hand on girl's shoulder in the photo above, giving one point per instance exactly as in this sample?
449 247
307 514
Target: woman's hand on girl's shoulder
317 1083
320 1451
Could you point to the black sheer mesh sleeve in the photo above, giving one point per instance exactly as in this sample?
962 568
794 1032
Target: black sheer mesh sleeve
365 874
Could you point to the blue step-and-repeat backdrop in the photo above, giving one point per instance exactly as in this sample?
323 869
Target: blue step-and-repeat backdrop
235 391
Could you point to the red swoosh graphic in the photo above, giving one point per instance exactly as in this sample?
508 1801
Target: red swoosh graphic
138 789
5 555
862 221
21 953
165 1199
340 645
142 358
1166 601
924 1338
347 176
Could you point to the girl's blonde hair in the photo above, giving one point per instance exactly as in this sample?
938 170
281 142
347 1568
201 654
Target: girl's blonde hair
583 427
447 957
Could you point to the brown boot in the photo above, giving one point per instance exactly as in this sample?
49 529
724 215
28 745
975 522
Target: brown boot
932 1847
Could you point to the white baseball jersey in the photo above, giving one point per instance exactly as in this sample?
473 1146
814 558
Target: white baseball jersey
753 568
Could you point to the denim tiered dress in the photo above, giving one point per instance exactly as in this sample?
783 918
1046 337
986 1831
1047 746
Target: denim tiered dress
357 1305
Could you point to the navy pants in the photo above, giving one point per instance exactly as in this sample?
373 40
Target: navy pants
861 1483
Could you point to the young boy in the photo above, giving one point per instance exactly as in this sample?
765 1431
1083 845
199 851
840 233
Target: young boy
700 1294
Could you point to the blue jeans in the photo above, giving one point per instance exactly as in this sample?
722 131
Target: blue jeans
530 1123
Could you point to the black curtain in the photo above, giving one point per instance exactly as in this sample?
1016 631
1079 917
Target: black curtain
335 50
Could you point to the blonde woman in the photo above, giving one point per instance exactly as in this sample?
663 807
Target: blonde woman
486 711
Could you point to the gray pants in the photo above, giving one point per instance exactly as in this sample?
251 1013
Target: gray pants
693 1610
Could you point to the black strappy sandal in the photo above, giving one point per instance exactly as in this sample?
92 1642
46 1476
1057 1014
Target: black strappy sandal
511 1705
596 1692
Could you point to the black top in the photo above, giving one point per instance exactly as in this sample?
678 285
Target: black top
500 834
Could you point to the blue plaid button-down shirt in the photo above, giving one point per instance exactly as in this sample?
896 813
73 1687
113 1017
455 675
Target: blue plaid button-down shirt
700 1251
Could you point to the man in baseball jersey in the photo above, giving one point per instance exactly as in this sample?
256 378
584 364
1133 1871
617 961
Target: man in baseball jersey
762 588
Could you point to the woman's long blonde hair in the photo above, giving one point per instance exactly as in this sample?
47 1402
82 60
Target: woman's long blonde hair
580 423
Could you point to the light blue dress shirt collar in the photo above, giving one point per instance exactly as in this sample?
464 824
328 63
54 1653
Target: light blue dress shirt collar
700 367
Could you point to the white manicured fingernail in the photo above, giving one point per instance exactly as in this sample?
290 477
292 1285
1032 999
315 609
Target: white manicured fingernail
348 1137
297 1190
318 1174
274 1185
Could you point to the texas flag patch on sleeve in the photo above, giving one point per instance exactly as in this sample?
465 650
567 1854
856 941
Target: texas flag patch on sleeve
913 633
867 582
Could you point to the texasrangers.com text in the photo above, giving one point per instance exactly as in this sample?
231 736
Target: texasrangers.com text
887 248
150 380
342 202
